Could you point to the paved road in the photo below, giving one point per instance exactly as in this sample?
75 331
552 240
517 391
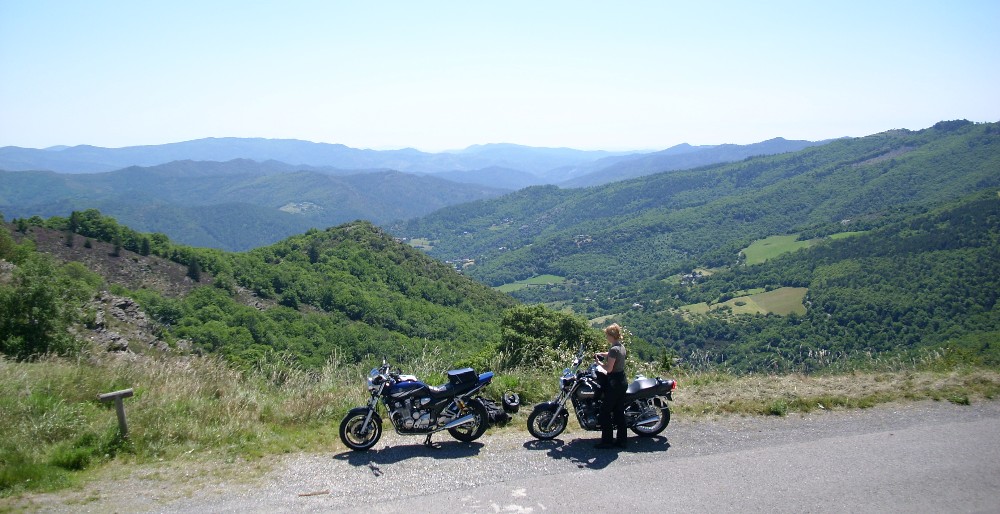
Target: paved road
916 457
949 467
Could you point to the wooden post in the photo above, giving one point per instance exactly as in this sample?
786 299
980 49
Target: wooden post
118 396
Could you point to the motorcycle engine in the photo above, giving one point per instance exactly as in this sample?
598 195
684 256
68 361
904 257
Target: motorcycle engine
410 414
588 411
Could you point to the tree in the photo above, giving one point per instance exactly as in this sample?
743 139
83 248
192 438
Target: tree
314 251
144 247
535 336
194 270
8 248
74 222
32 319
117 241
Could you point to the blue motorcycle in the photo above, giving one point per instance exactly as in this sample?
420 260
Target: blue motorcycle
415 408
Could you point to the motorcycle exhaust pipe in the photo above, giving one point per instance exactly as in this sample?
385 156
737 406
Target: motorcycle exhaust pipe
648 421
460 421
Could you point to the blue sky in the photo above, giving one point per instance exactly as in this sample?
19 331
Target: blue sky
445 75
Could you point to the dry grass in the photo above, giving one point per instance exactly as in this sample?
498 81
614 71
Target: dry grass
202 407
718 393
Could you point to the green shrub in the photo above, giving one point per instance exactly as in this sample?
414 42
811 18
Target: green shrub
777 408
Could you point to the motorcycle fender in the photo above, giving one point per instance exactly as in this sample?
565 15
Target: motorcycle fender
357 410
552 405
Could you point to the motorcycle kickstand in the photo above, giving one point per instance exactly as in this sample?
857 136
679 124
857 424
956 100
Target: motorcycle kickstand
429 444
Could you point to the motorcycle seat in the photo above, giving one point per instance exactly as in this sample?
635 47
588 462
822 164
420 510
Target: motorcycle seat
639 385
446 390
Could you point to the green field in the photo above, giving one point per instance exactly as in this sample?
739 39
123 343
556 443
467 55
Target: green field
843 235
763 249
422 244
782 301
538 280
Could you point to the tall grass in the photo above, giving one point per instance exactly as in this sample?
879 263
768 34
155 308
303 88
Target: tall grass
845 381
53 426
52 422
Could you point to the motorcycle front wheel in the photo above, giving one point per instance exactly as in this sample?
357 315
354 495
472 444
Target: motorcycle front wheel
663 419
542 425
473 430
357 437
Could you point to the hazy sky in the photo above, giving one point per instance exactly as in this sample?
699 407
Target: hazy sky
442 75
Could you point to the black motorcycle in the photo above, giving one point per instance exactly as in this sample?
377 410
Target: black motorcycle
415 408
646 409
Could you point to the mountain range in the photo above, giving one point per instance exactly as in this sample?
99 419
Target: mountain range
505 166
237 194
891 249
657 225
234 205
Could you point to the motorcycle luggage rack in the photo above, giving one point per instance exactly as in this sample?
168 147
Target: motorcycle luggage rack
462 376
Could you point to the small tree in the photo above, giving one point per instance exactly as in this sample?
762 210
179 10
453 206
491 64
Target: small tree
535 336
117 241
144 247
88 244
314 252
74 222
194 270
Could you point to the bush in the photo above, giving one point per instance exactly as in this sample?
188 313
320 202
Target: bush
777 408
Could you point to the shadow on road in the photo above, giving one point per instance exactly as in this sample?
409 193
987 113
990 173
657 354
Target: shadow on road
393 454
583 453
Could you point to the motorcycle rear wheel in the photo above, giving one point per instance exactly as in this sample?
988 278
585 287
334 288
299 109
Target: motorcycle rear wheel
352 434
471 431
541 417
655 428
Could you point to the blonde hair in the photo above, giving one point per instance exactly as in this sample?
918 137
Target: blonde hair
613 330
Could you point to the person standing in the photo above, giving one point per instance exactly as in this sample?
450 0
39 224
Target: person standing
612 412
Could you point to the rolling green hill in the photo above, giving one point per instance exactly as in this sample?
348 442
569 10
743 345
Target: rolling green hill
928 282
351 290
614 236
234 205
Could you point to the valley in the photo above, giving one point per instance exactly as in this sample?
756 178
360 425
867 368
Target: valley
847 257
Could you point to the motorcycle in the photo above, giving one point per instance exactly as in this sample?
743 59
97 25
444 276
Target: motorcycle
415 408
646 410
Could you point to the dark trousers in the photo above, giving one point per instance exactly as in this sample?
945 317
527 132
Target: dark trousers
612 412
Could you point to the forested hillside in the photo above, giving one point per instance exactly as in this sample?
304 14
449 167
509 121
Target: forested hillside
928 282
608 237
234 205
683 157
351 290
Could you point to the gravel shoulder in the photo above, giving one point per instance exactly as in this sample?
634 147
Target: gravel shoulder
401 468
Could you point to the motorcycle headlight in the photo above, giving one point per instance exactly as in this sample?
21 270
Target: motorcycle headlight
373 379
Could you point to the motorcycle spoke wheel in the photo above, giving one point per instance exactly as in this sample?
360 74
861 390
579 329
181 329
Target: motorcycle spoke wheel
539 423
663 419
471 431
353 434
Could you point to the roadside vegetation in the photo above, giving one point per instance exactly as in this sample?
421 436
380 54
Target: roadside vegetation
56 433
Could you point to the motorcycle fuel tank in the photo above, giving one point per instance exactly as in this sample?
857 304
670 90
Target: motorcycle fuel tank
405 389
586 392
